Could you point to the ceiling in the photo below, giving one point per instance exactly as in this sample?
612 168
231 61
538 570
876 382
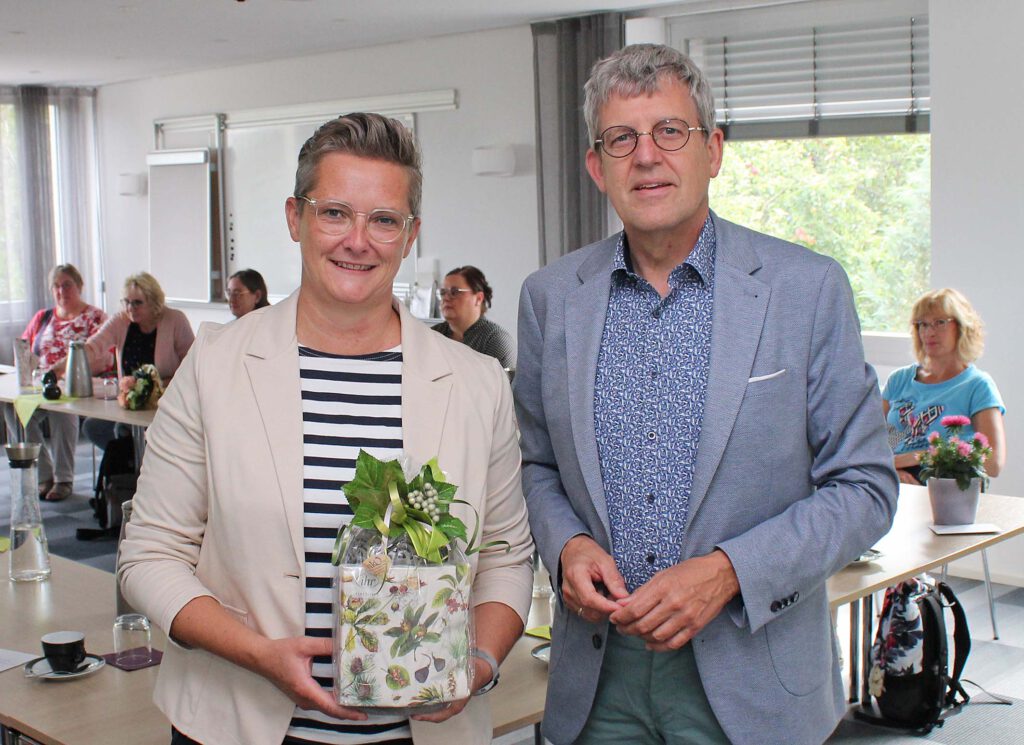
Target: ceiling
97 42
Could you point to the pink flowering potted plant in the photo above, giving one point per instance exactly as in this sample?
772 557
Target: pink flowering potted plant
954 470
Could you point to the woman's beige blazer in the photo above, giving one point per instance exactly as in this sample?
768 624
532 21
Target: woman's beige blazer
219 507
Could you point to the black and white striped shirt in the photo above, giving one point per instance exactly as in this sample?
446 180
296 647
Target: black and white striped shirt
348 403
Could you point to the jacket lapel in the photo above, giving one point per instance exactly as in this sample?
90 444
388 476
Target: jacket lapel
272 362
738 316
426 388
585 309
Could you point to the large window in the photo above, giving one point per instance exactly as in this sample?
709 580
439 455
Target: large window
861 200
826 106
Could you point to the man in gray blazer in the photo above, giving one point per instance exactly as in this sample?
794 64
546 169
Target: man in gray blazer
702 443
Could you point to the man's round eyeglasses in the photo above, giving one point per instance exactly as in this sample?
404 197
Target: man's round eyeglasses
132 303
452 292
938 324
668 134
338 218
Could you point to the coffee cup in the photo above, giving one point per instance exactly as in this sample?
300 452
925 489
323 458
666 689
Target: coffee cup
64 650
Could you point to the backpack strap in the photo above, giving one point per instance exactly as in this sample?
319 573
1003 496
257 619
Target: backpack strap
37 339
961 646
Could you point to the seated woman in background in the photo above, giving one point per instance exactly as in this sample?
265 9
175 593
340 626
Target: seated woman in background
145 332
246 292
50 333
465 297
948 337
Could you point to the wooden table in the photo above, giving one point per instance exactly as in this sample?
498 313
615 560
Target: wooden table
114 706
909 549
97 408
90 407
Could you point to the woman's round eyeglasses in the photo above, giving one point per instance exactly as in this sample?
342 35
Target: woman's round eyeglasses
135 304
338 218
938 324
452 292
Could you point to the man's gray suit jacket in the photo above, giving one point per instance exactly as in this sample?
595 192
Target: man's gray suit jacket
793 476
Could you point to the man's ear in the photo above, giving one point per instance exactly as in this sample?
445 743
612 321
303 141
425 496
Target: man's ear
596 169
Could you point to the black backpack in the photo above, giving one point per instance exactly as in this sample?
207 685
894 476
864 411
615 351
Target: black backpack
910 678
116 480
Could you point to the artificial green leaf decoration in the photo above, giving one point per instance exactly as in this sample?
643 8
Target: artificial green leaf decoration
383 501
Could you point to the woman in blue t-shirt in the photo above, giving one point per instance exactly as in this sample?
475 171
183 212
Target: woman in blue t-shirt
948 337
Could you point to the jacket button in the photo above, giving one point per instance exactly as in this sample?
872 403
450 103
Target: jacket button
597 641
776 606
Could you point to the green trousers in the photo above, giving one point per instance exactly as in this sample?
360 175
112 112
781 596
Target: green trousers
649 697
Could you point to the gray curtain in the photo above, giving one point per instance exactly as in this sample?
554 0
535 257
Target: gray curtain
48 195
572 212
32 114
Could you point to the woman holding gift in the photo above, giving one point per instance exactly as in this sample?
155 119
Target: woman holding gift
146 331
948 336
240 496
50 333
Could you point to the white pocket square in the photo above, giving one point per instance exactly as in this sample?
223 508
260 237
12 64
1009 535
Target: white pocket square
760 378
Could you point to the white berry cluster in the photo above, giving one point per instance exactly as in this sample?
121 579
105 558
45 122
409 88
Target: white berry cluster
426 500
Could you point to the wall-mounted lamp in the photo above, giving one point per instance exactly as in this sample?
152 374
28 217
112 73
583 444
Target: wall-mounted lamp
499 160
131 184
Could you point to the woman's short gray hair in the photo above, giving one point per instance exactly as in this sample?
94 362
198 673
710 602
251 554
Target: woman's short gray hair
368 136
638 70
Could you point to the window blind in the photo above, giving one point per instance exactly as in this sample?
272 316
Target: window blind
857 69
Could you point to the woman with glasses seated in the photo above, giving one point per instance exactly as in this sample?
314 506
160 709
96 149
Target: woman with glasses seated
50 333
465 298
246 292
948 337
146 331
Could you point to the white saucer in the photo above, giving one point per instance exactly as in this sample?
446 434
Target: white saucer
40 668
869 555
542 652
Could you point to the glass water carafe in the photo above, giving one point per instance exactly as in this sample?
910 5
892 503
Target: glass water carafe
30 555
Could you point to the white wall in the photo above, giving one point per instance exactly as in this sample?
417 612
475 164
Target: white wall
487 221
977 198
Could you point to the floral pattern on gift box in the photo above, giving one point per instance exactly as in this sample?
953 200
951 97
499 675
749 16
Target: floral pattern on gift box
403 640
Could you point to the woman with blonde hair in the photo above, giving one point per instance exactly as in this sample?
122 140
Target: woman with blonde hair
146 331
948 337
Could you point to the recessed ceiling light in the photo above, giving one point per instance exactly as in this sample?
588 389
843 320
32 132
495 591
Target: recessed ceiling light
16 33
35 72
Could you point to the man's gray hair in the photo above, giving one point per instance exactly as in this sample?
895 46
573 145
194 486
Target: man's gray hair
368 136
638 70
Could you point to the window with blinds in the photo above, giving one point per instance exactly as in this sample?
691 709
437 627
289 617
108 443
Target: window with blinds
842 78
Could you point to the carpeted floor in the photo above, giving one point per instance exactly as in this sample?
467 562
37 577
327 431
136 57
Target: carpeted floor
981 721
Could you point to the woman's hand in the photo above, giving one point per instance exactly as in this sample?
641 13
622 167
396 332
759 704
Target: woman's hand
288 664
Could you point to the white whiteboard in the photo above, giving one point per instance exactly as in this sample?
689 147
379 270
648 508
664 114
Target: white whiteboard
180 223
260 167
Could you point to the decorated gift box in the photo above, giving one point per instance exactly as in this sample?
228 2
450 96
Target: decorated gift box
402 622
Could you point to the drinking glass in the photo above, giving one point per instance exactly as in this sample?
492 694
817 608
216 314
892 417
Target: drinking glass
108 389
37 380
132 640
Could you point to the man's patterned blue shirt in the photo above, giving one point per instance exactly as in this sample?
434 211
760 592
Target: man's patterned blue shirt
652 378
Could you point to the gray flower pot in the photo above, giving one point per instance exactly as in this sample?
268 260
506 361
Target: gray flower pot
950 505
